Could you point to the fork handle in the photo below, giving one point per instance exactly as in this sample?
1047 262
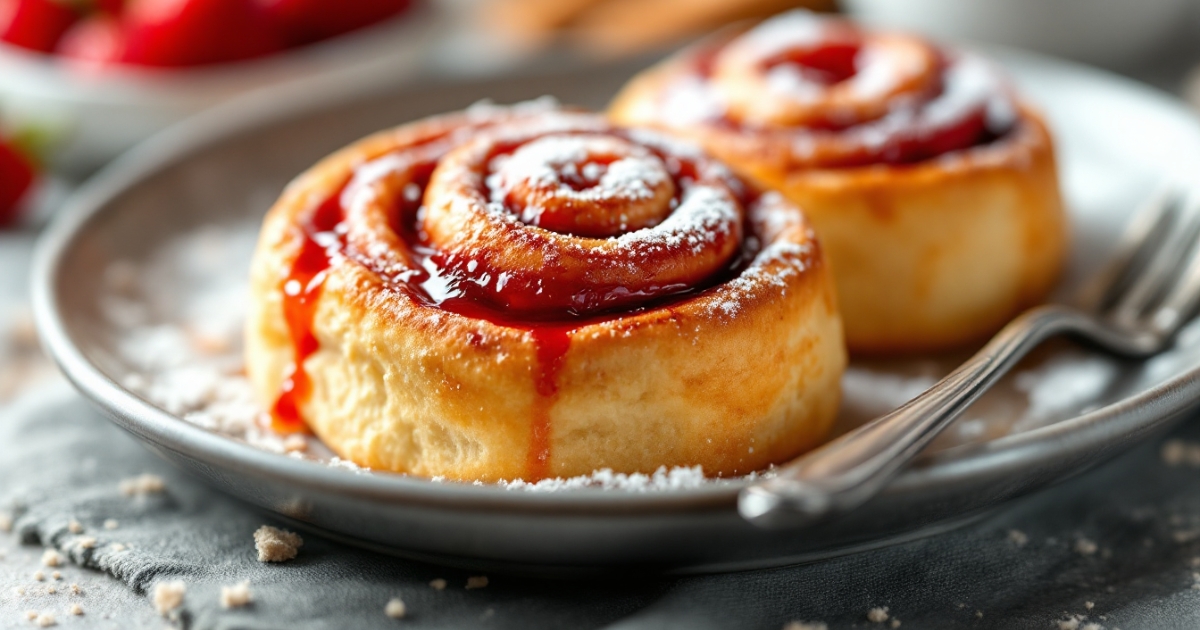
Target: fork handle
848 471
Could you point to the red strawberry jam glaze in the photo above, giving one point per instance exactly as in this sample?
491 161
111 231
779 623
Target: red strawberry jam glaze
301 291
436 274
868 98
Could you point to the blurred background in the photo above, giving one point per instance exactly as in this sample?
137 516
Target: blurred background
83 80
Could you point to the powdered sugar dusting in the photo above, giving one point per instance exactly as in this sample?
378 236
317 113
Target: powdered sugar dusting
550 161
705 214
662 480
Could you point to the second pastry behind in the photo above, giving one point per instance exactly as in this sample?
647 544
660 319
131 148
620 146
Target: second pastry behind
932 186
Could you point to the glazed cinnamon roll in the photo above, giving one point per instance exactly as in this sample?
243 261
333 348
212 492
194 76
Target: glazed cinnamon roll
932 186
528 292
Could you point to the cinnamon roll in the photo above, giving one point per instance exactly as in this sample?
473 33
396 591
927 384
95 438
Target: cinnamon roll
931 185
529 292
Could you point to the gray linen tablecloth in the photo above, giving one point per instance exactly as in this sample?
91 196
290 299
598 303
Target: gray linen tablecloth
1123 537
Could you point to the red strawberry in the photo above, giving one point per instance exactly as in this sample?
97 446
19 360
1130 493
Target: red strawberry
110 7
196 32
305 21
16 176
35 24
97 40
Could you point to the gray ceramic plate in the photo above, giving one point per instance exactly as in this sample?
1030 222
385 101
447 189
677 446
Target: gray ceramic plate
1065 412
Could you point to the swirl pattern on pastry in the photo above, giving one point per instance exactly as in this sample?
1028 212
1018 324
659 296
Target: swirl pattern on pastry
525 292
914 162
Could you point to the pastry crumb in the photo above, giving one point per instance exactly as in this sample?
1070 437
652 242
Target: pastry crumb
477 581
75 609
236 596
31 614
111 524
895 623
86 542
395 608
56 575
117 547
76 590
1089 605
1185 535
295 444
438 584
979 614
168 596
51 558
20 590
806 625
51 590
1176 453
6 523
276 545
1092 626
74 527
877 615
1070 623
45 620
142 485
1018 537
39 576
1085 547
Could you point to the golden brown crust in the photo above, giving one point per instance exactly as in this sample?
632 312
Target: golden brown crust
736 377
927 256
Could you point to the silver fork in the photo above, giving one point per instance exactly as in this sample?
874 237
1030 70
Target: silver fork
1133 308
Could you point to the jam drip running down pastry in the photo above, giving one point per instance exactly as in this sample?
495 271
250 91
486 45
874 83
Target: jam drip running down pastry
932 187
526 292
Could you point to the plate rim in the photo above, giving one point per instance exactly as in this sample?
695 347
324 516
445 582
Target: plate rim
1090 432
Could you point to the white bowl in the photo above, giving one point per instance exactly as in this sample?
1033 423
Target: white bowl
1102 32
102 114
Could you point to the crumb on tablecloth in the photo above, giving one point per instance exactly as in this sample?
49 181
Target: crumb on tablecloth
75 609
1085 547
276 545
75 527
477 581
168 596
236 596
51 558
1176 452
1070 623
45 620
437 584
142 485
1018 537
877 615
395 608
806 625
111 524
